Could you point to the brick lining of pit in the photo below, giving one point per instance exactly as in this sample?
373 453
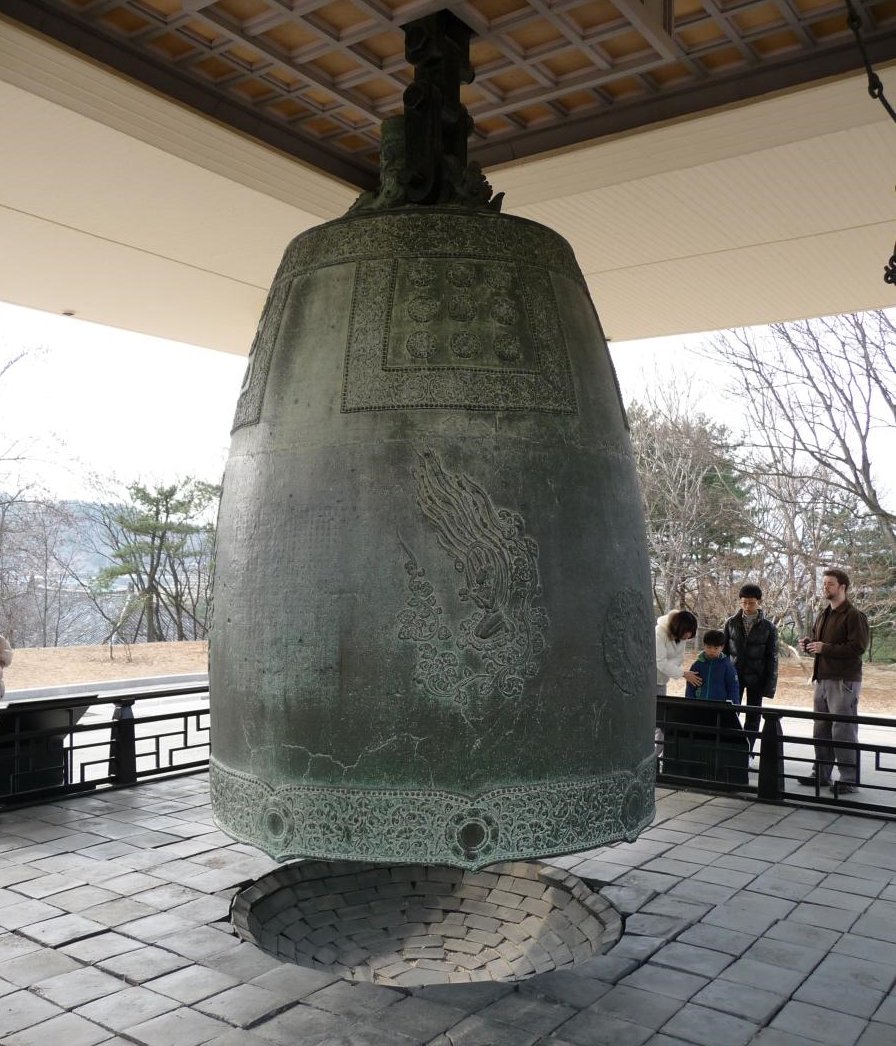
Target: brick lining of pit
405 925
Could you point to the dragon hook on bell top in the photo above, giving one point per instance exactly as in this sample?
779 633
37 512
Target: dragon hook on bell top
423 153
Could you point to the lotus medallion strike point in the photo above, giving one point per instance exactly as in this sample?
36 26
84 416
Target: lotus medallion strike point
432 637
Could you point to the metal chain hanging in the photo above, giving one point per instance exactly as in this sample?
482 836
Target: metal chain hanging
876 90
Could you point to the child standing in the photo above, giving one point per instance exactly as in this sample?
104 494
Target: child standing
716 671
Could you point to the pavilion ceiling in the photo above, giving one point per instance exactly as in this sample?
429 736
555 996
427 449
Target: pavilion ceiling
316 78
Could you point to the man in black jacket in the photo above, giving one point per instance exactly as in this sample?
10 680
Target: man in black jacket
751 641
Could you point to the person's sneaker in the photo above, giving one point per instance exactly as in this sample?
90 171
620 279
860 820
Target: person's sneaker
809 782
842 788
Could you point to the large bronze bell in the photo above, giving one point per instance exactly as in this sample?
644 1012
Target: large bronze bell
432 636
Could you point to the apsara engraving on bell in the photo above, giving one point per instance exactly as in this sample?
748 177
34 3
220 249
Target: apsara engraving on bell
482 660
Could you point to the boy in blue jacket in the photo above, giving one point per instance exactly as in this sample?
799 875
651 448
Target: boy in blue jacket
716 670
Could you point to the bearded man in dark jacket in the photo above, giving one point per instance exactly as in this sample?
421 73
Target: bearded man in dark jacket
751 641
839 638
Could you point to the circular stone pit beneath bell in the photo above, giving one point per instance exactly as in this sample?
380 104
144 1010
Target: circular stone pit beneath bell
406 925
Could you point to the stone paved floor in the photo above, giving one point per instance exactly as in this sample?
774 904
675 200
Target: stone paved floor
746 923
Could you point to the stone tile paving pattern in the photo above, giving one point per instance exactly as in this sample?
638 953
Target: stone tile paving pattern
744 923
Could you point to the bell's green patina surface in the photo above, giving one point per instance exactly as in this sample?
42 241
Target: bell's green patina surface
432 636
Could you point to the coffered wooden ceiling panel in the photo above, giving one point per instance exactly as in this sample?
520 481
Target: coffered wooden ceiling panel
315 78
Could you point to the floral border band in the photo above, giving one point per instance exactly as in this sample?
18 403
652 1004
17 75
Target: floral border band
433 827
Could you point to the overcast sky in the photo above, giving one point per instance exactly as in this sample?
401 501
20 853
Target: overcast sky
94 399
90 399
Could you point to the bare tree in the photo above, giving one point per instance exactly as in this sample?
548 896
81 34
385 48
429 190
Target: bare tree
693 502
50 557
796 527
13 571
825 390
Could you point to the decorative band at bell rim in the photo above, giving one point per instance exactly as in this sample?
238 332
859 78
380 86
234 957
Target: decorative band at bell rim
432 633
